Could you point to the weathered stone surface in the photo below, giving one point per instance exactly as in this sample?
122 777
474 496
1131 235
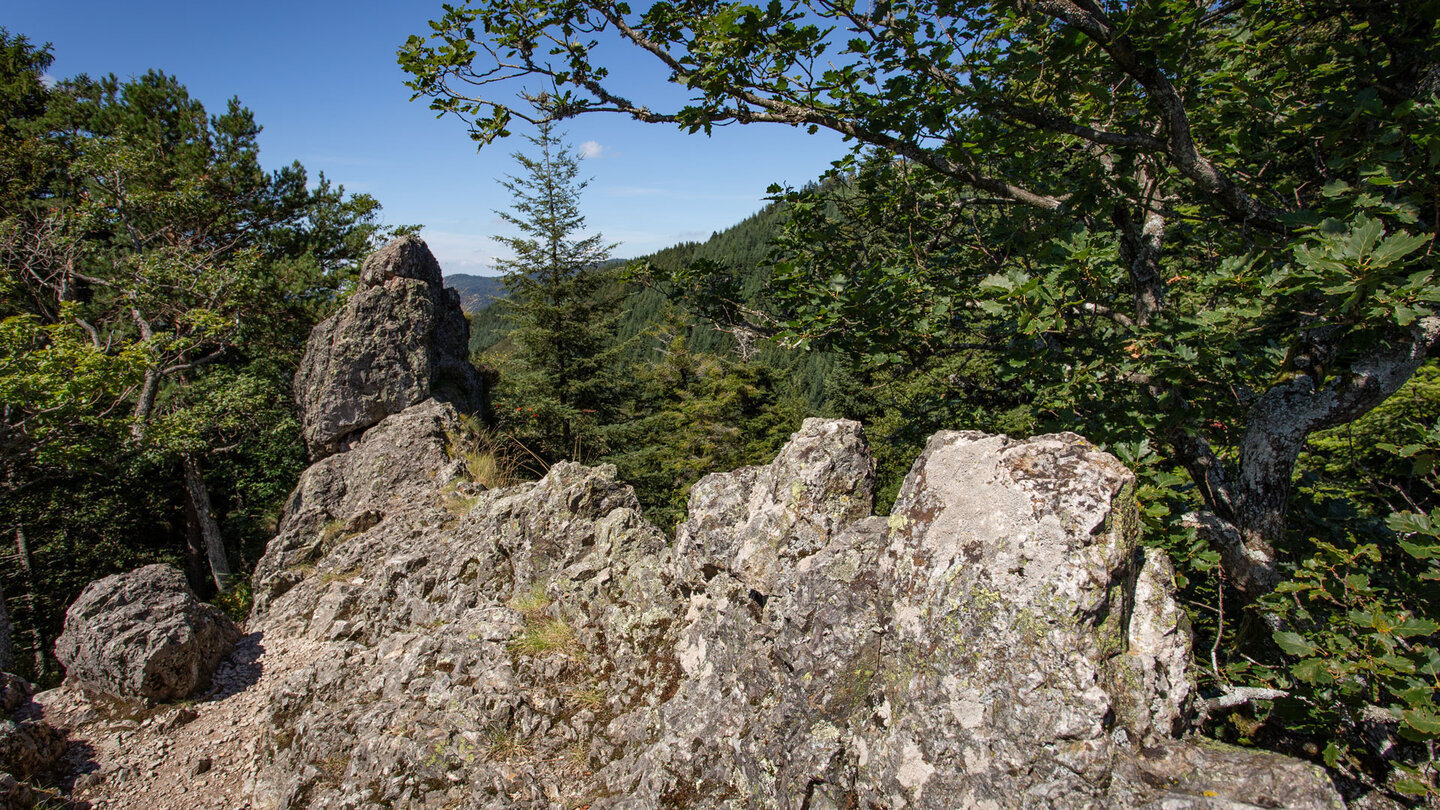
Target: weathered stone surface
1000 640
398 464
143 635
400 339
470 648
761 521
14 691
28 746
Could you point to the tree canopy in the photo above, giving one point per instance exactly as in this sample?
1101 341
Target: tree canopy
1242 182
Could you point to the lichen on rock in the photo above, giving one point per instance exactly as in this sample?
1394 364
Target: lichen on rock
999 640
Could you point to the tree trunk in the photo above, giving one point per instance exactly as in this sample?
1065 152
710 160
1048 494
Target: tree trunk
209 529
1142 240
37 636
1247 501
196 565
7 652
145 403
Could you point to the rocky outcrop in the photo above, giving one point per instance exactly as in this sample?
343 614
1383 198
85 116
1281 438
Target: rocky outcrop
143 635
399 340
999 640
759 522
438 655
403 460
28 747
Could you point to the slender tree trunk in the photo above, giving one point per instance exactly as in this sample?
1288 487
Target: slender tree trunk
209 529
7 650
1247 501
197 567
146 401
37 636
1142 241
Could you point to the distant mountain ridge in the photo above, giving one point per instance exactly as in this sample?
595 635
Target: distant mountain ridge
476 292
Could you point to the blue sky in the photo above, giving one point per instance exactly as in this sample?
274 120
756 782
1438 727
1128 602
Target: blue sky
322 80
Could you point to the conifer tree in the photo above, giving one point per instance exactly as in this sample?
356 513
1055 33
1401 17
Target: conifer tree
566 378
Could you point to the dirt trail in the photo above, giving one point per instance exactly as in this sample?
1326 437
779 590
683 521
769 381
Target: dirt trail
196 755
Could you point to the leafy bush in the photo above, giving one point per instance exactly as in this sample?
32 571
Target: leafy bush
237 598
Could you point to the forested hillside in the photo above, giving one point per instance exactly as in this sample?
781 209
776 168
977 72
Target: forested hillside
650 319
476 292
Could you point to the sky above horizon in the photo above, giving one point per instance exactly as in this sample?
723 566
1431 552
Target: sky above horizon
322 81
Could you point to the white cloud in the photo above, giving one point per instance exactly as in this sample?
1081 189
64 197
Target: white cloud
591 149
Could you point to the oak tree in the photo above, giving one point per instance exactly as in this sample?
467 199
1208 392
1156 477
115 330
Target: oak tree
1236 201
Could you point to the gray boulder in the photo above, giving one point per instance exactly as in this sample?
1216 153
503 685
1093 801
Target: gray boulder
977 648
143 635
15 691
400 339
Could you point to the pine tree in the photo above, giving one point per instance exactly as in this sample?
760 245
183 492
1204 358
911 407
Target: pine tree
566 379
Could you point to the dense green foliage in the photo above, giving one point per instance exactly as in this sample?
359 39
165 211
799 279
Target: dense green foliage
157 289
595 368
692 413
734 260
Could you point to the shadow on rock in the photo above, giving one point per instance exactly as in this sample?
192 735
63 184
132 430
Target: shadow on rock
77 770
38 761
240 671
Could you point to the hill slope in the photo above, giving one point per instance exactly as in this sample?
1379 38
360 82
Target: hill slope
649 320
476 292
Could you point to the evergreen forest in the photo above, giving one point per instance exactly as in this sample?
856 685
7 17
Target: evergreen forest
1202 236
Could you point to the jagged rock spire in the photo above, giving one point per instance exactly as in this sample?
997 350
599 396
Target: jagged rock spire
400 339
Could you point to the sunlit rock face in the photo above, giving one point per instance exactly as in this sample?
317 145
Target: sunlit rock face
400 339
999 640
